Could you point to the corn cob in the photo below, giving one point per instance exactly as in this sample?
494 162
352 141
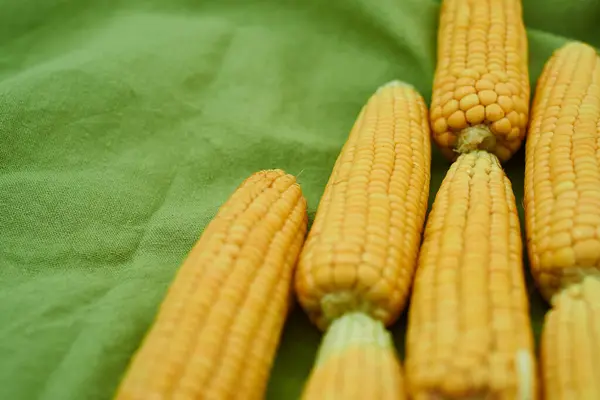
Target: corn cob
469 333
562 214
481 90
570 348
358 261
562 170
361 251
217 330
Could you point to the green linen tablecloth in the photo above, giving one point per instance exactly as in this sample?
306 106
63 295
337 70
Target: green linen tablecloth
124 124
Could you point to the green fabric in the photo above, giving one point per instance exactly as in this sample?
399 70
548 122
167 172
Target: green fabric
125 124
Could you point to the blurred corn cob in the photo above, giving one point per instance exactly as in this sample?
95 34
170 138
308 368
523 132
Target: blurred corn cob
357 264
217 330
481 86
562 211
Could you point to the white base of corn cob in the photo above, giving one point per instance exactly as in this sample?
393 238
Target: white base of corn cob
340 303
357 360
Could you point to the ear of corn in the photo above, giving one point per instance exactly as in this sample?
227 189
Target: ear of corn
357 264
469 333
356 361
361 251
562 170
562 214
570 347
217 330
481 86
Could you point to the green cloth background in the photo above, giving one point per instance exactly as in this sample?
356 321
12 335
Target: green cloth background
125 124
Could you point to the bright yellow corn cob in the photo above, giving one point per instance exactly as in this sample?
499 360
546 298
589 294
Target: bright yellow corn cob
357 264
562 214
356 361
481 90
361 251
562 170
469 333
217 330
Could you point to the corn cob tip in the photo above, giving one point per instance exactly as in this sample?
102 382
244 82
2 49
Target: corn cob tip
240 270
478 137
577 43
395 83
275 172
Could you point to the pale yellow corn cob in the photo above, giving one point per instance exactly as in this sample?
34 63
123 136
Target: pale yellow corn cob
356 361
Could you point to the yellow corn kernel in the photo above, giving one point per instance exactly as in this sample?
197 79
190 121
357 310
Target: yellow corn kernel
562 170
469 332
356 361
570 348
218 328
481 86
361 251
